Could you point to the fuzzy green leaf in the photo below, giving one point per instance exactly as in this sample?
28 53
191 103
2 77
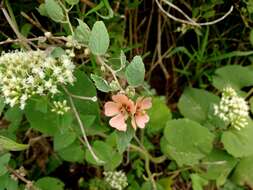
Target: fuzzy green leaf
99 39
135 72
54 10
10 145
196 103
101 83
82 32
186 141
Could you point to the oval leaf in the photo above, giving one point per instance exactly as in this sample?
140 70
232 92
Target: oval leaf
10 145
99 39
135 72
54 10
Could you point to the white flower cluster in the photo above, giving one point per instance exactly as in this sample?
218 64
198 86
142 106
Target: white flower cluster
60 107
232 109
24 74
116 179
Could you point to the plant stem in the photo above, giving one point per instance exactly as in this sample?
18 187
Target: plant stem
102 62
82 127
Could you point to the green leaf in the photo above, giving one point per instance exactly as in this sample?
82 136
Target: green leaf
10 145
234 75
84 87
63 139
159 114
101 83
42 9
239 143
15 116
49 183
124 138
186 141
72 153
218 166
54 10
148 186
47 123
243 173
2 104
82 32
135 72
196 103
106 153
4 160
72 2
251 37
198 182
7 183
99 39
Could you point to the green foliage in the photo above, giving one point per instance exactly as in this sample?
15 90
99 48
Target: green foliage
49 183
234 75
195 104
159 115
135 72
99 39
10 145
244 172
54 10
185 141
199 141
82 32
101 83
239 143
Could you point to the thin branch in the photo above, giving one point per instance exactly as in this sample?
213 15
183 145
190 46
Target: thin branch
22 39
188 19
82 127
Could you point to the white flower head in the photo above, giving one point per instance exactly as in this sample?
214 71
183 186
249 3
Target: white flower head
232 109
24 74
116 179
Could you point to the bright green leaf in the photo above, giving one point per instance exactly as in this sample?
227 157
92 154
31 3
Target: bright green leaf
49 183
99 39
54 10
46 123
198 182
135 72
10 145
159 114
218 166
239 143
4 160
196 103
243 173
101 83
63 139
72 153
105 152
187 141
236 76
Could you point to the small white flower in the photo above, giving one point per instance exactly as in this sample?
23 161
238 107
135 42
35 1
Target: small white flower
116 179
232 109
24 74
60 107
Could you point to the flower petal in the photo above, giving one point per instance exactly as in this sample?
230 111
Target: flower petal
120 98
112 108
146 103
118 122
141 120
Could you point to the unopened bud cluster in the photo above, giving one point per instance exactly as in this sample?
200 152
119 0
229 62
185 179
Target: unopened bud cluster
24 74
21 172
116 179
60 107
232 109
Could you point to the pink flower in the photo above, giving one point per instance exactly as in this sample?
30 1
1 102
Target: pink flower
119 109
140 118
